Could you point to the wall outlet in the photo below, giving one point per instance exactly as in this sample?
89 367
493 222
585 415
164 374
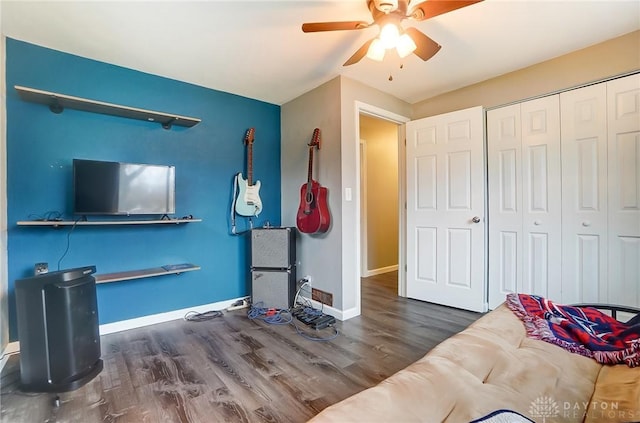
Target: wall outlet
322 296
244 303
41 268
305 279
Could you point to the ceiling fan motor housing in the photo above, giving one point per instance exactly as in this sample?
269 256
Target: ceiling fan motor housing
382 8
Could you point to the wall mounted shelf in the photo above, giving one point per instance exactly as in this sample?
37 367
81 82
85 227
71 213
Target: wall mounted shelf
145 273
57 103
56 223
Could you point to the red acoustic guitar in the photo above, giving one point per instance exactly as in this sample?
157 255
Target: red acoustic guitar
313 213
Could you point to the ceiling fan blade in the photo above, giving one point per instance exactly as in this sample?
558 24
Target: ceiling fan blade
333 26
426 48
430 8
362 51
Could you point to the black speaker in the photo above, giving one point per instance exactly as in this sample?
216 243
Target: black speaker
273 288
58 330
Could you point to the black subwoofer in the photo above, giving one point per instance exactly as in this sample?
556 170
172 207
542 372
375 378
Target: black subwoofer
58 330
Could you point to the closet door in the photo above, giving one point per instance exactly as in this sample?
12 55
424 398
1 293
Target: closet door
584 194
524 199
541 197
504 158
623 100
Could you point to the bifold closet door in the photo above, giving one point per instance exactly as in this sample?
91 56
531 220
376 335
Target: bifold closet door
584 194
504 154
524 199
623 104
541 197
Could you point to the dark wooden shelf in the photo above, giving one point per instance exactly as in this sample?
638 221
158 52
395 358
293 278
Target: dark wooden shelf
56 223
57 102
143 273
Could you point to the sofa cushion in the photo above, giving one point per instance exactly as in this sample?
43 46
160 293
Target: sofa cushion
489 366
616 397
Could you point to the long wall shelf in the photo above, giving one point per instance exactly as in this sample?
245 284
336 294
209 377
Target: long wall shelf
57 102
56 223
145 273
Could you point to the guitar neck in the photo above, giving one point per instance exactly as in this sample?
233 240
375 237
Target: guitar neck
310 170
250 164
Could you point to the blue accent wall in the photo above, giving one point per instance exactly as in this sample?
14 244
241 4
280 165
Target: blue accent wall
41 146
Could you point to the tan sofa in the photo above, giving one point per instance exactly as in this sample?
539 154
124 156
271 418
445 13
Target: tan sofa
490 366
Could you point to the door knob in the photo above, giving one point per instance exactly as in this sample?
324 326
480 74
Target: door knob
586 223
476 219
537 222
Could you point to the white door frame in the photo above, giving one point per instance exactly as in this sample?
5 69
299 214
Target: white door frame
377 112
364 236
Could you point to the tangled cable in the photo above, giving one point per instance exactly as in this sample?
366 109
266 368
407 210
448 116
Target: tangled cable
194 316
273 316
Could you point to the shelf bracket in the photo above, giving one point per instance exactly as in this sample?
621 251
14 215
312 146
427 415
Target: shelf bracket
167 125
55 105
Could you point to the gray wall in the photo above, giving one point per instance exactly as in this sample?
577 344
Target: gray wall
354 97
612 57
319 255
333 262
331 259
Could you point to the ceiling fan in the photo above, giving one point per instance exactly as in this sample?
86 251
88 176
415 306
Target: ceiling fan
388 14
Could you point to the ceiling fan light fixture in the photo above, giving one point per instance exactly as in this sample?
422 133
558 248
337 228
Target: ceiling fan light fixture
376 50
405 45
389 35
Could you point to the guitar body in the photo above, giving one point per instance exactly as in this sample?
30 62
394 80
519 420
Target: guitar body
248 202
313 213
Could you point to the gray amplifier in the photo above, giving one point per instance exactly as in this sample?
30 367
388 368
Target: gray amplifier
273 248
273 288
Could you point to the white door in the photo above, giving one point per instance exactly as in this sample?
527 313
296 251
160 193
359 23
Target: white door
584 194
524 199
504 163
445 209
623 99
541 197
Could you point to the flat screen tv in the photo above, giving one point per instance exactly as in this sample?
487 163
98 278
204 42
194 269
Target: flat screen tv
115 188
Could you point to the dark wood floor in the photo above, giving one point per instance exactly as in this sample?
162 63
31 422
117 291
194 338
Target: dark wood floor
233 369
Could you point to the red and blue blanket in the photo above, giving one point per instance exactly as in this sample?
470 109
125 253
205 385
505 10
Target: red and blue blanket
582 330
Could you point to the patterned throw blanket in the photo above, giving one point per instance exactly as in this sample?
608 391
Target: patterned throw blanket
582 330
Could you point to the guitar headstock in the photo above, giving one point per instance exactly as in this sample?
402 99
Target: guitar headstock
248 137
315 139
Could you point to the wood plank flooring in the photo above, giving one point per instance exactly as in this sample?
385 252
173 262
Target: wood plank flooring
234 369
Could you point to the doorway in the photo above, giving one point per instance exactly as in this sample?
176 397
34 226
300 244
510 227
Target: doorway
381 183
379 211
351 212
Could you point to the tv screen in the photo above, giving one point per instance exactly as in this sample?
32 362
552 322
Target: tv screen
113 188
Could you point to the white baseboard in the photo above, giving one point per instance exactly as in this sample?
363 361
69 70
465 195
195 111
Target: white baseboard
153 319
14 347
379 271
11 349
338 314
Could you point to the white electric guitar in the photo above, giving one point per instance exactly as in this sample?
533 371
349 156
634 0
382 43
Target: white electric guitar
248 202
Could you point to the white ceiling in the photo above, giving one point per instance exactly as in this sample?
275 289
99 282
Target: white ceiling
257 49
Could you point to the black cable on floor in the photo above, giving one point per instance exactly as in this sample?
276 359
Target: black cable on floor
194 316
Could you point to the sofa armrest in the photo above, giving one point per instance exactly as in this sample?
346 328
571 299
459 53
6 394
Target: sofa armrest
615 309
